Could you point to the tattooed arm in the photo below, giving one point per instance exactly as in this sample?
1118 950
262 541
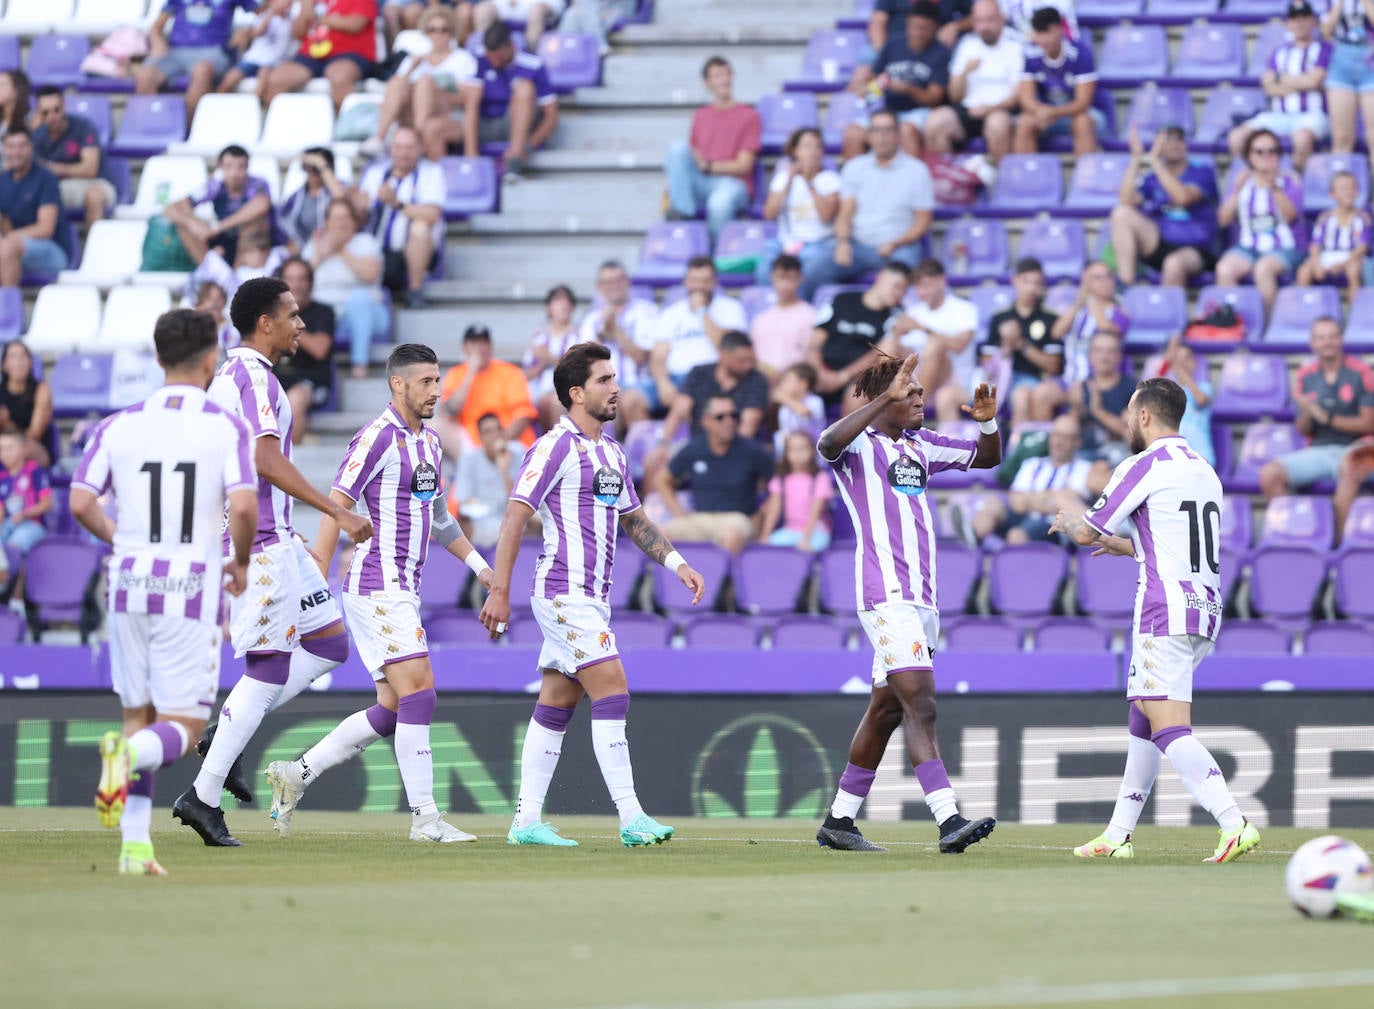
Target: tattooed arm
649 538
1073 526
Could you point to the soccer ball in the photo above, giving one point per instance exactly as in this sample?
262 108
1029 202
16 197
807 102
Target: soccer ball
1323 869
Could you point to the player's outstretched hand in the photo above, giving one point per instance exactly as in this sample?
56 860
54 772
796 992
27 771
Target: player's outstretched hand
691 578
984 403
1061 522
902 385
495 615
1116 546
358 527
235 578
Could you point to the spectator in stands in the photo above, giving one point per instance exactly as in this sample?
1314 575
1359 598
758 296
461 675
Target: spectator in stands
307 373
1100 400
803 198
688 332
26 403
212 299
1265 204
782 332
301 214
538 15
479 386
956 20
1057 89
1357 465
735 377
1350 75
14 100
984 86
197 47
1096 309
1340 239
887 202
855 328
1180 363
399 15
1019 15
425 86
795 405
546 346
347 265
725 472
25 496
510 100
943 327
403 200
1166 218
267 44
714 168
797 510
911 72
596 18
69 147
241 204
338 43
624 323
1294 80
484 480
33 238
1021 352
1333 393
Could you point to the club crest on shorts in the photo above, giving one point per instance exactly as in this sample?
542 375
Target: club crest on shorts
918 651
424 482
420 635
291 633
607 485
907 476
604 640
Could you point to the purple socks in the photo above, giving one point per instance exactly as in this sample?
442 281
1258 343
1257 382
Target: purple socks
383 722
269 667
1164 737
615 708
857 780
552 718
1138 724
416 708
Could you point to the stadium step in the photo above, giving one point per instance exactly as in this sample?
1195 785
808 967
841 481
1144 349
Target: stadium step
512 261
664 75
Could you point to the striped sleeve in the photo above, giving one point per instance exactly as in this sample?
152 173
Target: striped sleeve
944 452
259 393
239 471
366 454
1124 493
93 472
539 472
629 498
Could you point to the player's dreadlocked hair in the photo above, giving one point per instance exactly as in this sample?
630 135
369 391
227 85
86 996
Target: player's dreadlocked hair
874 382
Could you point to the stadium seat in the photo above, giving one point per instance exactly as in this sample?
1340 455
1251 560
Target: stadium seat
149 125
975 250
1066 634
669 594
64 317
522 575
222 120
525 633
1208 52
629 566
641 630
165 179
1153 108
35 17
9 53
1252 387
1316 179
1061 296
11 313
1294 520
1237 523
668 245
56 59
98 18
1270 36
836 580
782 114
756 299
458 628
1059 244
1285 581
1096 179
1024 580
1353 572
1251 637
60 579
959 569
96 108
471 187
1109 11
1246 301
1156 314
983 634
1184 10
1290 323
744 240
265 167
1232 567
843 109
1262 442
1338 637
769 580
1027 183
1106 585
293 123
442 582
81 384
131 311
11 628
808 634
721 631
111 255
1224 108
572 61
1133 54
1359 524
829 60
991 299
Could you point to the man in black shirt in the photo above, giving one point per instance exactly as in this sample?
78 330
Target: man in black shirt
855 328
308 374
736 376
69 147
1020 351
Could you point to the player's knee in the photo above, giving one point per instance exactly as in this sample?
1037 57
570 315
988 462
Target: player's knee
333 648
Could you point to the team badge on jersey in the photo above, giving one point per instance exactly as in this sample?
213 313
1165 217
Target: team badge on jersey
424 482
607 486
907 476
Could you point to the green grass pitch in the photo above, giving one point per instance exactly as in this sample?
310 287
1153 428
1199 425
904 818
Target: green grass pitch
732 914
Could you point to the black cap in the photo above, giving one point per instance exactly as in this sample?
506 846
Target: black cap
477 332
925 9
1300 9
1174 128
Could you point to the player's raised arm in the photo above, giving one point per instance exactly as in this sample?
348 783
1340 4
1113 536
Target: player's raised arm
650 538
984 411
449 535
495 615
836 438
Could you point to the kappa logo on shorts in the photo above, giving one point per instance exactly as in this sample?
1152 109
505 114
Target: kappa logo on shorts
883 641
259 558
266 601
1151 684
604 640
266 579
889 660
879 622
392 648
262 641
387 629
264 620
379 611
562 619
580 654
1147 645
572 636
558 604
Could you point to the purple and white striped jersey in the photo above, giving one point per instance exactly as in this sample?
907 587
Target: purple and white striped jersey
393 474
1330 235
883 483
1260 227
1174 497
1291 60
247 388
170 462
580 488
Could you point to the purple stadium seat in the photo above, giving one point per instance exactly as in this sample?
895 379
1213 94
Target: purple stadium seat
96 108
1232 565
81 384
522 575
975 250
1353 572
1262 442
843 109
149 124
572 61
1252 637
1180 9
1224 108
769 580
1223 448
829 59
11 314
1336 637
1271 35
629 565
957 572
1153 108
1237 523
1285 581
1068 634
1294 520
1359 326
641 630
443 579
60 582
1133 54
743 238
756 299
667 247
461 628
808 634
1027 183
1106 585
1096 12
721 631
56 60
781 114
1156 313
837 589
1251 387
9 52
986 634
1059 244
1359 524
525 633
11 627
471 186
1060 298
1096 179
826 293
1290 323
1208 53
1316 179
1245 300
1025 580
669 594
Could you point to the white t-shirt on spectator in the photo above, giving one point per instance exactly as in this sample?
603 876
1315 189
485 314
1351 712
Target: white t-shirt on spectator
455 68
637 319
799 222
334 281
424 184
999 68
275 44
955 315
681 328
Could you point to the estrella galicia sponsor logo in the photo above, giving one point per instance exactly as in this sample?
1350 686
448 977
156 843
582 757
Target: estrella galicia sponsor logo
762 765
607 485
424 482
907 476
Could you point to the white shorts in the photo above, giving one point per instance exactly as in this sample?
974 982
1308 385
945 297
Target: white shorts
1332 258
519 10
386 628
171 663
577 633
903 636
1285 124
286 599
1162 667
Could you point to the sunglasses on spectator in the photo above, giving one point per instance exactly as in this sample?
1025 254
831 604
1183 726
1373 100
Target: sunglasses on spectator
437 30
1264 150
730 415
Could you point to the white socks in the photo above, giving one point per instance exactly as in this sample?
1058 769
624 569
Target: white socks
943 804
846 804
1142 768
538 760
137 822
1203 779
613 754
150 745
243 711
347 739
414 714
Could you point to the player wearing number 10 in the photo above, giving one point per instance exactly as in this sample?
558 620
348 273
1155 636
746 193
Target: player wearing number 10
1173 497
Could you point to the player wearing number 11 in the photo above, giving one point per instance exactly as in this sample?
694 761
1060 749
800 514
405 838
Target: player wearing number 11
1173 498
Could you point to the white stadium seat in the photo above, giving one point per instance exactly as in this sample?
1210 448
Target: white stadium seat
35 17
222 120
294 122
267 169
130 314
165 179
101 17
64 317
111 255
